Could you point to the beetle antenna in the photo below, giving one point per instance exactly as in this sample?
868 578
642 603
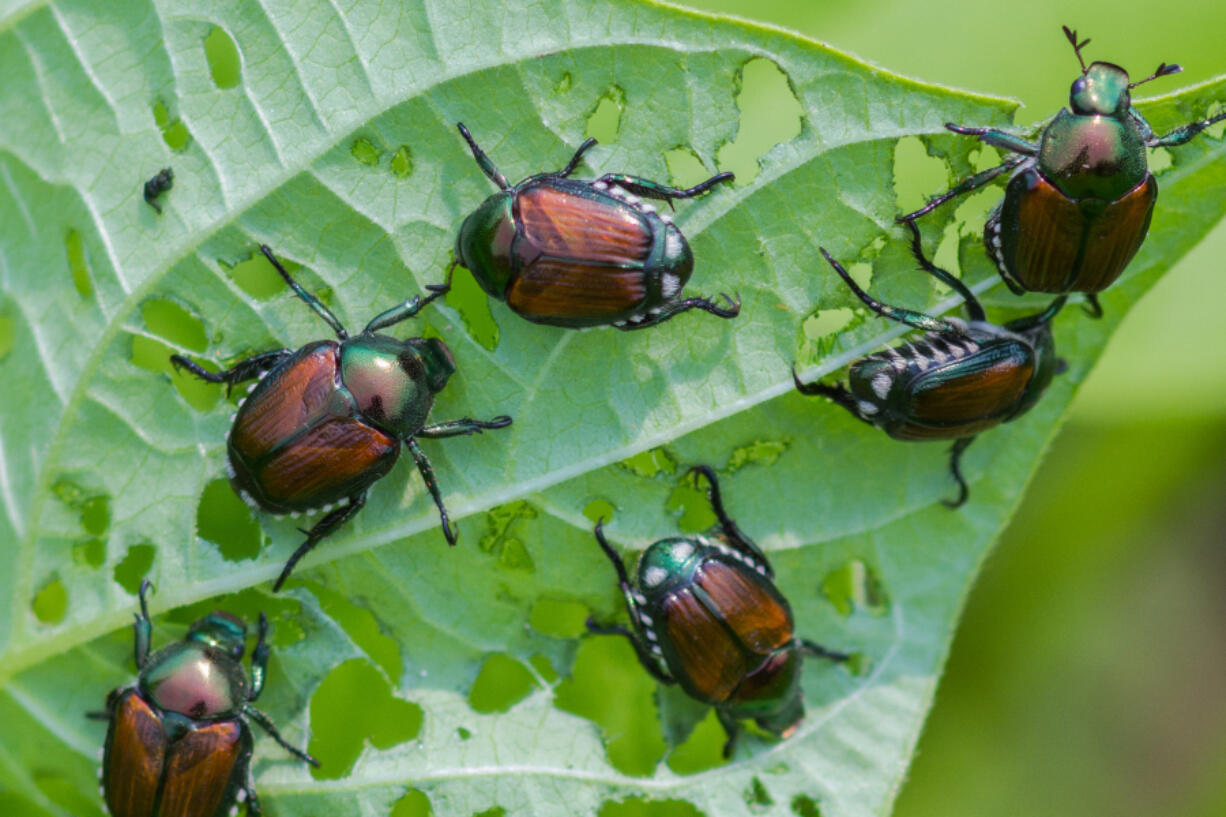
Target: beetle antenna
483 161
1077 46
311 301
1163 70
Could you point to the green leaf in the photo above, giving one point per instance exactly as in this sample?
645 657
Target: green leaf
333 140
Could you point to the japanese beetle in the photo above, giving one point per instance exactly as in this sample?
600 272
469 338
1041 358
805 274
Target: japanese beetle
705 614
325 422
1078 204
955 381
179 741
567 252
159 184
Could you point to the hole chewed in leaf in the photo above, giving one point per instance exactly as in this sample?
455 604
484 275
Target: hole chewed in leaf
563 84
226 521
599 509
757 795
650 463
918 174
558 618
354 705
502 683
703 749
770 115
134 567
805 806
820 332
500 538
462 733
628 721
360 624
414 803
365 151
1159 160
855 586
605 121
758 452
225 65
174 132
402 162
544 668
257 277
642 807
689 497
496 811
50 603
685 169
90 553
470 300
78 265
182 330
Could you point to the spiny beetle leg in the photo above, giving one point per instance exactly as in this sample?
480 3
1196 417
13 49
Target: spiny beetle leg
271 728
955 468
654 190
322 529
965 186
427 476
675 308
253 366
459 428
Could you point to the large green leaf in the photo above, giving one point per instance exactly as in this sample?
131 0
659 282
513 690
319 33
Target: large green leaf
333 140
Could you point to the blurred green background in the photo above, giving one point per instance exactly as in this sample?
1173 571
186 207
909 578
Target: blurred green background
1088 676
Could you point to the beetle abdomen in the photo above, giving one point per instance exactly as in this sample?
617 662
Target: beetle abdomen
199 769
291 396
1115 236
721 627
134 754
325 463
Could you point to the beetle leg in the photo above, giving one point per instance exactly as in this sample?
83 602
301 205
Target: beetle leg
731 727
259 660
457 428
253 366
735 537
654 190
1092 307
955 468
324 527
427 475
316 305
647 657
965 186
253 799
483 161
997 139
142 628
587 145
406 310
974 309
815 650
1184 134
271 728
911 318
674 308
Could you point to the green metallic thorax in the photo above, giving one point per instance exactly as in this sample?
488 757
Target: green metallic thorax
196 680
485 242
1093 156
667 565
392 381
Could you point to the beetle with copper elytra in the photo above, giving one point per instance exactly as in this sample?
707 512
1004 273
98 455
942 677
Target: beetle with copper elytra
574 253
325 422
958 379
1079 202
179 742
705 614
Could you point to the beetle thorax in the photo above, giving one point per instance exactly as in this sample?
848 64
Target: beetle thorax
394 382
195 680
667 562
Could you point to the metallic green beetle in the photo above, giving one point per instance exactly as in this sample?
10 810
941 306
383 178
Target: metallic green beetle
575 253
179 741
1078 205
958 379
706 614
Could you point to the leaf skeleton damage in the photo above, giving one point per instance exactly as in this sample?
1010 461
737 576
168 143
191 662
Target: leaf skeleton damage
321 424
